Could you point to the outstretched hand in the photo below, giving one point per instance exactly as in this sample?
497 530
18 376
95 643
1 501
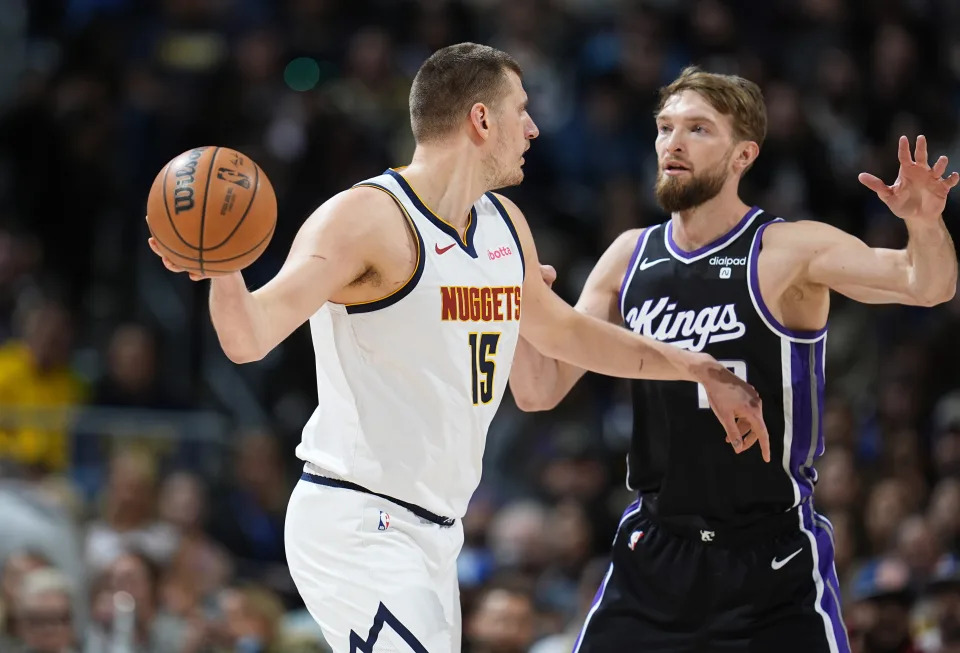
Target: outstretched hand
737 405
919 192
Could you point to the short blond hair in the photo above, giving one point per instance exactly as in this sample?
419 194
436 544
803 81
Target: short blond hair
731 95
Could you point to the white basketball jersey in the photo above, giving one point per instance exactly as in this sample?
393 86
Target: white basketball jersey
408 384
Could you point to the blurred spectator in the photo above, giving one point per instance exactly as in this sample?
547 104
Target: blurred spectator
503 620
128 517
590 581
131 375
135 577
35 378
878 615
15 567
944 589
44 614
200 566
247 518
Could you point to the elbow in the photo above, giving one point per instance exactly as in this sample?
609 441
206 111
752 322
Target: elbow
241 353
936 296
534 403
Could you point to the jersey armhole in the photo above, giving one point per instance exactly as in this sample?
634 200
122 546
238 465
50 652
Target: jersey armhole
632 267
411 282
759 305
513 230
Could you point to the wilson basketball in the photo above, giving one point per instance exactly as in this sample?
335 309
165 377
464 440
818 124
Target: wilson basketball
212 210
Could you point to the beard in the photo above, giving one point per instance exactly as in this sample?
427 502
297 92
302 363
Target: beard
501 170
678 194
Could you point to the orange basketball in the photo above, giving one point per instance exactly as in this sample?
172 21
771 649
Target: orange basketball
212 210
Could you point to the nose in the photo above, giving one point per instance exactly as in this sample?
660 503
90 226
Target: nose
532 130
674 141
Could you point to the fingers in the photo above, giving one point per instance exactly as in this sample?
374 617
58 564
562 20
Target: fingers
549 274
874 184
920 153
733 431
952 180
760 432
903 151
940 166
154 246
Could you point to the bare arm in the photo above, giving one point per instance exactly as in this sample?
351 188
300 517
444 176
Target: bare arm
925 273
332 248
560 332
539 382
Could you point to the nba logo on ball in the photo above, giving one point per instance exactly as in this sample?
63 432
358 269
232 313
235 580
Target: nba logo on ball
384 521
634 538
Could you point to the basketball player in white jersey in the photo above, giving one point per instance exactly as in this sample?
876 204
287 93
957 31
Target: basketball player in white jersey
414 283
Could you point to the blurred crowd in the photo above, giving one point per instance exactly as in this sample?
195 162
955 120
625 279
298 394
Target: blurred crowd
124 519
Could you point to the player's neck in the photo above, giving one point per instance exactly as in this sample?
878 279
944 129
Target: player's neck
448 180
701 225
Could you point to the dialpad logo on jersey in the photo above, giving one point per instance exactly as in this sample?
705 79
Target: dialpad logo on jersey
384 521
727 261
693 330
494 254
485 304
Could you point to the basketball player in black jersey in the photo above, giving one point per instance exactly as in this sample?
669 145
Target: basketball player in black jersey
724 552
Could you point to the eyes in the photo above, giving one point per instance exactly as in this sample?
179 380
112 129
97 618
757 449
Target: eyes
694 129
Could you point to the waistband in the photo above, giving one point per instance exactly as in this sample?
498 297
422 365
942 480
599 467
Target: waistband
423 513
697 528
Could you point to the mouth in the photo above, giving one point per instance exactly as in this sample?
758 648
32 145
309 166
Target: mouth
674 168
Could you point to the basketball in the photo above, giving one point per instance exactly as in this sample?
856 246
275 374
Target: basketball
212 210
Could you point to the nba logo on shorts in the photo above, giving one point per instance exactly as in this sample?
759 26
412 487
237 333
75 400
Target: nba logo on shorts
634 538
384 521
724 273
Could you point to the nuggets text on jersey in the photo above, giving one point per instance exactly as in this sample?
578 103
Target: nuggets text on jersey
483 304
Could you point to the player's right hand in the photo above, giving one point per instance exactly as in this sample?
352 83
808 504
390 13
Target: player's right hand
170 265
737 405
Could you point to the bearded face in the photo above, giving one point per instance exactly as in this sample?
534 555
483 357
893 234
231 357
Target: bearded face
680 187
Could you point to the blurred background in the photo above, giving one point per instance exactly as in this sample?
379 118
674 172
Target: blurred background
144 478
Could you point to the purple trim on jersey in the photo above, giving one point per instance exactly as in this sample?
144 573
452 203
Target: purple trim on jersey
830 599
803 418
628 273
821 383
754 281
722 240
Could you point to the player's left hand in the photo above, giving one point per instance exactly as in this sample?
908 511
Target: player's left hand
919 192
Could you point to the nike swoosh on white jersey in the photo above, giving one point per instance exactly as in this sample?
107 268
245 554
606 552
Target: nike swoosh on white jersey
644 264
777 564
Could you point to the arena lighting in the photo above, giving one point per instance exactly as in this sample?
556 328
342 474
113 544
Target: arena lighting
302 74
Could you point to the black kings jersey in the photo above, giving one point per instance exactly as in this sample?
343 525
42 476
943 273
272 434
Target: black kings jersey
709 300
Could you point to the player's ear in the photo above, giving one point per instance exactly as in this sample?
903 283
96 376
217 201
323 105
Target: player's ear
747 153
480 119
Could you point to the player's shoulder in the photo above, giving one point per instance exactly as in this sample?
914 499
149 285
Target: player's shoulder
796 233
621 249
356 214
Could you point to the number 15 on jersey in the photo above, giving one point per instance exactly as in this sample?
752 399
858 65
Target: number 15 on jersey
483 349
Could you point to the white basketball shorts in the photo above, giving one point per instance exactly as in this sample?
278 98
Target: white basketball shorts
375 576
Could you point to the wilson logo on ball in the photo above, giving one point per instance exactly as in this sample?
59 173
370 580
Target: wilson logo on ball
186 176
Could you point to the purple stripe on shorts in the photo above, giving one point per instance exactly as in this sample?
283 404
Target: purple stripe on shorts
830 598
631 510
